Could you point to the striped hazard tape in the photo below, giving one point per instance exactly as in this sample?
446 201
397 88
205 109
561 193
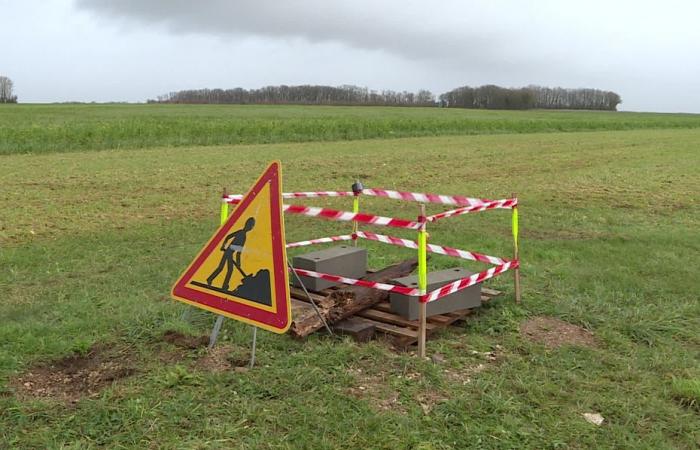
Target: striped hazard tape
504 204
354 282
236 198
332 214
469 281
430 296
345 237
438 249
425 198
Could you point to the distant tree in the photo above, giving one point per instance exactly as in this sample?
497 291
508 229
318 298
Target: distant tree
6 87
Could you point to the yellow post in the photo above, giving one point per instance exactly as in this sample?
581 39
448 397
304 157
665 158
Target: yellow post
355 209
224 207
422 281
516 253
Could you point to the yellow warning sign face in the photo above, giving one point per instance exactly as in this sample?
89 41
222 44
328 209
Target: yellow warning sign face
242 271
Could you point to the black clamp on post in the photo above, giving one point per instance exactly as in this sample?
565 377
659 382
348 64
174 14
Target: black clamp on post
357 187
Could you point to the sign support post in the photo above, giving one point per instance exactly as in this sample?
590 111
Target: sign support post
516 255
422 282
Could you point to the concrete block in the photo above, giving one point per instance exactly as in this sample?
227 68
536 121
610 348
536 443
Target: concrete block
407 306
343 260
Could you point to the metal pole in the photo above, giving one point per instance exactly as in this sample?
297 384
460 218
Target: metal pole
516 253
252 350
422 282
215 332
311 300
223 216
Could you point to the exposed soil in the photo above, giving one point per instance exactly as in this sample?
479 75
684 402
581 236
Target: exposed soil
73 377
184 341
554 333
374 389
218 359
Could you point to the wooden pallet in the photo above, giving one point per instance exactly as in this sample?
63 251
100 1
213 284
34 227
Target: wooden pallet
380 320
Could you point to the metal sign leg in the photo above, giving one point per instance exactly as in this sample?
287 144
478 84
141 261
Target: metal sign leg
252 350
215 332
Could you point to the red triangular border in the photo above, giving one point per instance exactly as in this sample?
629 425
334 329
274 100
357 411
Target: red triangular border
277 322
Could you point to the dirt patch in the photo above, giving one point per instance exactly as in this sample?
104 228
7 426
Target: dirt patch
71 378
373 388
222 358
554 333
184 341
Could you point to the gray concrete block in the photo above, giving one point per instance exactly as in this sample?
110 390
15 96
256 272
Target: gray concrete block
407 306
343 260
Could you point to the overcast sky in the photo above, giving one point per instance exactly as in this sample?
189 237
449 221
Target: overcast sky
132 50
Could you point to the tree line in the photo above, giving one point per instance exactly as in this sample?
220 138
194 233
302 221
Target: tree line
301 95
6 88
496 97
482 97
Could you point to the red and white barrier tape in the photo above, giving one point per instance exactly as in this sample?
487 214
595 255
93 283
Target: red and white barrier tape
508 203
345 237
469 281
425 198
458 200
332 214
430 296
236 198
439 249
368 284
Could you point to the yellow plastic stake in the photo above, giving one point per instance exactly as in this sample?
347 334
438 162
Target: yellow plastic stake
355 209
516 252
422 282
515 226
224 208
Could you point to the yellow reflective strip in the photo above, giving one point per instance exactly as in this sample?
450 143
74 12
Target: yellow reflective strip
224 212
422 262
515 226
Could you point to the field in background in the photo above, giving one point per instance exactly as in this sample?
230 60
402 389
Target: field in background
61 128
90 243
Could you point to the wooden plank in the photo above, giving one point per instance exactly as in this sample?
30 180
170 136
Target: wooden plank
394 330
383 306
393 319
440 319
342 303
490 292
301 295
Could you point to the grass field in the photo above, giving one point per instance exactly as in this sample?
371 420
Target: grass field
62 128
91 241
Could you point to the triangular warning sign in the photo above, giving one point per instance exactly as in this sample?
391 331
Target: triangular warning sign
242 271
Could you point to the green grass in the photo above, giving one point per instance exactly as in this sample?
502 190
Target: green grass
62 128
91 242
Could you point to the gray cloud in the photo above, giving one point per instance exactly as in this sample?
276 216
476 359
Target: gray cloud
131 50
415 30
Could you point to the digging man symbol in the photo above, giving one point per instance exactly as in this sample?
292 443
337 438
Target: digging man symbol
232 248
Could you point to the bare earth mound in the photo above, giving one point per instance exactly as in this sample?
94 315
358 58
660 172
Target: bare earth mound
189 342
554 333
73 377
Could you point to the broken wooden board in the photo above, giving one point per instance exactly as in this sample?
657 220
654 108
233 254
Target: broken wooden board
338 303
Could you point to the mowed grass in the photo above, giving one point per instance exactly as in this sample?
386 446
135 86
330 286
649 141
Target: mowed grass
60 128
91 243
